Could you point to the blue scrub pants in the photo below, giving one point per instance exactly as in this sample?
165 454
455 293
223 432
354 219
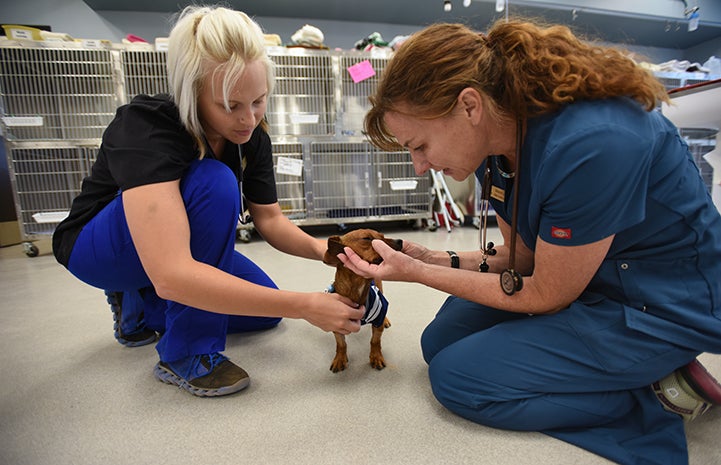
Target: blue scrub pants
579 375
104 256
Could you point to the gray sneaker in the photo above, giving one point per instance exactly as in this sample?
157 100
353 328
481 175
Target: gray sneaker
207 375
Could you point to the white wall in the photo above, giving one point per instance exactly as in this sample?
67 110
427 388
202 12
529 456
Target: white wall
76 18
73 17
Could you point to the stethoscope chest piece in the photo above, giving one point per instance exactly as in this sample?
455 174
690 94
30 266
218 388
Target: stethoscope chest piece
511 281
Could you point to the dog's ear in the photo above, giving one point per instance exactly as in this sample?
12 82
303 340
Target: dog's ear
334 248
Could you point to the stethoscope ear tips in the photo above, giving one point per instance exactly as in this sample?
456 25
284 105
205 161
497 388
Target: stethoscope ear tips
511 281
490 249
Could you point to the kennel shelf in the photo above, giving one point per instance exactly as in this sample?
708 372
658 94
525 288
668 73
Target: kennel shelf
57 99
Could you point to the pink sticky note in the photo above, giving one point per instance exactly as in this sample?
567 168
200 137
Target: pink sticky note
361 71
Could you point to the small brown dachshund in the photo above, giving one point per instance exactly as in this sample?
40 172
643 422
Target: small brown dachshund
356 288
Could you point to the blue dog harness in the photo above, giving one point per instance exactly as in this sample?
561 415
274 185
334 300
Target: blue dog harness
376 306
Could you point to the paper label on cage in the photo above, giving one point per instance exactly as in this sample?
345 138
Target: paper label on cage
406 185
361 71
21 34
91 43
50 217
23 121
161 44
289 166
304 119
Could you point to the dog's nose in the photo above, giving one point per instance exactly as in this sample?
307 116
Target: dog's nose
399 243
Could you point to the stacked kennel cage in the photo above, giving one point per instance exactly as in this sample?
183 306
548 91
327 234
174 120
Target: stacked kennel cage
700 140
318 105
57 99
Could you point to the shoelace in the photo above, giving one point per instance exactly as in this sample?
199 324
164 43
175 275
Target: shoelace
211 361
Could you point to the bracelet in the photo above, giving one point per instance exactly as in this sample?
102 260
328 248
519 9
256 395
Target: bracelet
455 261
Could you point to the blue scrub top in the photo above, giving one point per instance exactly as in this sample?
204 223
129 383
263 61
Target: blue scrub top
598 168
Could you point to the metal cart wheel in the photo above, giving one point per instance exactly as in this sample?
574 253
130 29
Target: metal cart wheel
31 250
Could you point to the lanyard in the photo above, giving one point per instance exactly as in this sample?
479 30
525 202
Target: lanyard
511 280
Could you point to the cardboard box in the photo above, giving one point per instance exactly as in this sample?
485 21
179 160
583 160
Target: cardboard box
9 233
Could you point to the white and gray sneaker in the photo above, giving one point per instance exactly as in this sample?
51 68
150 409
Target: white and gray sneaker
689 391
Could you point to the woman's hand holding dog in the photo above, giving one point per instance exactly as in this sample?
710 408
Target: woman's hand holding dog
396 266
332 312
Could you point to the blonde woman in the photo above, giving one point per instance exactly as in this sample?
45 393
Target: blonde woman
607 280
156 220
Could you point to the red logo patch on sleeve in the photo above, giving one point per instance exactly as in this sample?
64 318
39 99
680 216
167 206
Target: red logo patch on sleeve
560 233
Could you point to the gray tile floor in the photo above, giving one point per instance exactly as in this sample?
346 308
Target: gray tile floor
72 395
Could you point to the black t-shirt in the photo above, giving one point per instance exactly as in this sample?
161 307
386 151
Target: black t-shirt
146 143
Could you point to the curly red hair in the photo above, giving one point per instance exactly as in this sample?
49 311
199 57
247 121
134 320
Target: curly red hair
524 69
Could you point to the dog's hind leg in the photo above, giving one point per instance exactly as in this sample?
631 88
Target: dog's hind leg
340 361
376 356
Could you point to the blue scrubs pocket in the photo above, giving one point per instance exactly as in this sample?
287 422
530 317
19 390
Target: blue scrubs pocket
602 328
648 282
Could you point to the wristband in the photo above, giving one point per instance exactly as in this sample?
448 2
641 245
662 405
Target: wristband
455 261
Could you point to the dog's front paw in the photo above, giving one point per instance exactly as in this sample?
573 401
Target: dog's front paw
386 323
377 361
340 363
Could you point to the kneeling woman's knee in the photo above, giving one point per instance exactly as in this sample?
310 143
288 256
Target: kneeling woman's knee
210 184
430 344
446 388
211 196
471 395
449 388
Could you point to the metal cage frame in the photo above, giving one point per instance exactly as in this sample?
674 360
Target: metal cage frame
57 98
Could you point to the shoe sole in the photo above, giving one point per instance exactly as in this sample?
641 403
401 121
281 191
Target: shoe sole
142 342
115 307
168 377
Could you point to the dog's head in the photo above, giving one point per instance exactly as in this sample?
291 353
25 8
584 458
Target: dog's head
359 241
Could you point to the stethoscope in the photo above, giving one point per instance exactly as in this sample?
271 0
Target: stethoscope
242 217
511 280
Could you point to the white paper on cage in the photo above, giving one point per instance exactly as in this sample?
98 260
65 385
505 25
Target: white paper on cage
289 166
50 217
714 159
406 185
296 118
14 121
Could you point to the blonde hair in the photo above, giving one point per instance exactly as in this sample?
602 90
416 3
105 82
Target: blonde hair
523 69
211 39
